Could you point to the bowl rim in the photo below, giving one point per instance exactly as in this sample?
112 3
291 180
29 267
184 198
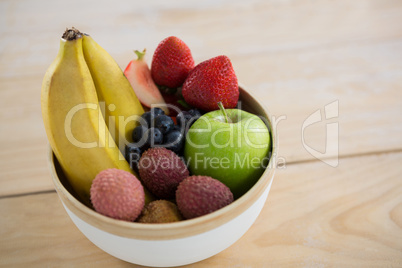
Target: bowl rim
181 229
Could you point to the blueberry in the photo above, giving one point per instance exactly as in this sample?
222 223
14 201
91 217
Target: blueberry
132 154
157 111
150 115
176 127
174 141
195 113
147 117
154 136
186 118
164 123
182 118
138 133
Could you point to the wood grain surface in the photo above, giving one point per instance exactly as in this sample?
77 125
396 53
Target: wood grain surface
308 220
296 57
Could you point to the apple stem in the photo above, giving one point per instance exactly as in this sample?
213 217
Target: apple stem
220 105
139 54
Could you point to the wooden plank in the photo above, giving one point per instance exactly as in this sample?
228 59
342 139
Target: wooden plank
365 80
23 140
296 57
315 215
30 32
41 234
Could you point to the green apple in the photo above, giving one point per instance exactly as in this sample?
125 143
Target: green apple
228 145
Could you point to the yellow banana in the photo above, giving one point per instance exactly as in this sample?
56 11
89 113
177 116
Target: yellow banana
73 121
123 109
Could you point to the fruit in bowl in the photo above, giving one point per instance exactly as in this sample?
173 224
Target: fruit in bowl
231 146
154 199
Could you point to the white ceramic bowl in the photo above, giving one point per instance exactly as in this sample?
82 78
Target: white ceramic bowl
172 244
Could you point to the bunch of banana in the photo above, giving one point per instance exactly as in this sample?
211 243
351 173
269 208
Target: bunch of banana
123 109
82 77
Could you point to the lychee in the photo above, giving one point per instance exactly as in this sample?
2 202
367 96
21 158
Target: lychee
201 195
117 194
161 171
160 211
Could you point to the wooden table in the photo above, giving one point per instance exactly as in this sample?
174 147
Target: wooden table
336 200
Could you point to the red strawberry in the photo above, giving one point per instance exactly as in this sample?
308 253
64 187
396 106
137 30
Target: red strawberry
210 82
139 76
171 63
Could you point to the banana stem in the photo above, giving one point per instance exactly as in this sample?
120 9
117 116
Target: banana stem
71 34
